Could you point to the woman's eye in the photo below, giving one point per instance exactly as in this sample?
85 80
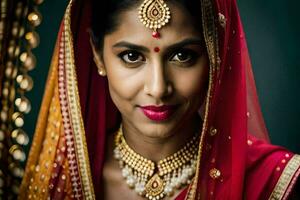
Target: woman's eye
183 56
131 57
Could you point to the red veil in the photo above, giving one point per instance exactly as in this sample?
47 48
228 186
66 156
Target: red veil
233 163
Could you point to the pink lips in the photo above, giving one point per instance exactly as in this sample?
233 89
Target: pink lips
158 113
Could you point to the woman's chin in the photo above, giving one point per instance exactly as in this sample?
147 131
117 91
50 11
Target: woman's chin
157 130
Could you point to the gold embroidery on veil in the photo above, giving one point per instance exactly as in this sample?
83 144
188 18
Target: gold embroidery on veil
211 40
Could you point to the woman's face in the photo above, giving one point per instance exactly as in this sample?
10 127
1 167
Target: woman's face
158 85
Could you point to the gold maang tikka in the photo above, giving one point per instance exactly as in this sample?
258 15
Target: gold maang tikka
154 14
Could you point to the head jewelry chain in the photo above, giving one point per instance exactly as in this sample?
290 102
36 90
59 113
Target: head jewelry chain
154 14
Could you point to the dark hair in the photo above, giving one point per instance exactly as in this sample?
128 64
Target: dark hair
105 15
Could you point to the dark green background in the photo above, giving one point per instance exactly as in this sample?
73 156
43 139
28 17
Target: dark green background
272 30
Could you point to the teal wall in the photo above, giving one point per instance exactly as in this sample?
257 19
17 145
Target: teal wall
272 31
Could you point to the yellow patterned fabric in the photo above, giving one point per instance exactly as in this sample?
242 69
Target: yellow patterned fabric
49 130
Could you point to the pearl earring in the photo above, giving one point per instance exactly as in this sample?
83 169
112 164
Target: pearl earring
101 72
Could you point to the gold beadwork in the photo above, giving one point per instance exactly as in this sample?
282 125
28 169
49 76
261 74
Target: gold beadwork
156 180
213 131
249 142
214 173
287 155
154 14
248 114
277 168
222 20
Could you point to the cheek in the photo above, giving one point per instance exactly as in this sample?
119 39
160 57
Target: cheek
123 86
192 83
195 89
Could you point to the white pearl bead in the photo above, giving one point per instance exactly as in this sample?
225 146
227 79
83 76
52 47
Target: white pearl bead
125 172
130 181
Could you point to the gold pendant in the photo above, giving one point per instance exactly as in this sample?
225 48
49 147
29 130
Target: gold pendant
155 188
154 14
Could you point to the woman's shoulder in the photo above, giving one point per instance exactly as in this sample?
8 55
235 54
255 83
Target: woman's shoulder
278 165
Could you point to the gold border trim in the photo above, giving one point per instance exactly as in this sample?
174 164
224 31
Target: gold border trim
75 112
284 182
210 32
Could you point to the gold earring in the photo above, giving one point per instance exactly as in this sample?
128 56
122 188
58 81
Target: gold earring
101 72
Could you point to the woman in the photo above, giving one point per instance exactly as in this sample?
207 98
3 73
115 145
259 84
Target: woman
173 115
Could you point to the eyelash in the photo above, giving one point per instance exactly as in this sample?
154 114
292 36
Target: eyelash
193 55
127 52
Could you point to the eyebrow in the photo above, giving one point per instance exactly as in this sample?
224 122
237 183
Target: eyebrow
185 42
131 46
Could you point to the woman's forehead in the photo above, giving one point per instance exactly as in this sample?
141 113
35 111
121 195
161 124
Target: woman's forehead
130 28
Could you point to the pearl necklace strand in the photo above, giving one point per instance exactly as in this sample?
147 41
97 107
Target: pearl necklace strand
151 180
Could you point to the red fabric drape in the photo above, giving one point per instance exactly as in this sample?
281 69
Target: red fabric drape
99 113
234 111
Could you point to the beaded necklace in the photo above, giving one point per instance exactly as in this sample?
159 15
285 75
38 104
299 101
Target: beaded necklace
151 180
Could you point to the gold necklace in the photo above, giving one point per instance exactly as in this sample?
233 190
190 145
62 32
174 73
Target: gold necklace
151 180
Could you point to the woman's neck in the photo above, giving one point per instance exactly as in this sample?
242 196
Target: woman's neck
156 149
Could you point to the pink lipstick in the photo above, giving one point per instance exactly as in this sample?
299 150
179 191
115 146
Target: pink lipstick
158 113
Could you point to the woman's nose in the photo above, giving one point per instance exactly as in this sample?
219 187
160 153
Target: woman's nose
157 84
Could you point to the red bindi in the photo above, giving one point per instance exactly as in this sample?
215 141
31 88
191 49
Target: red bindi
156 49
